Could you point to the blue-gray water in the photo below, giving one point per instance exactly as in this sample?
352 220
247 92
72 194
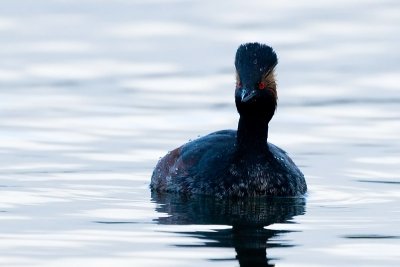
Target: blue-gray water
92 93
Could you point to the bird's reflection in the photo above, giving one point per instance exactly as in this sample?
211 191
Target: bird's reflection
247 218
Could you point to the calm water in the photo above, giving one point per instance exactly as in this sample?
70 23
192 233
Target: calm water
94 92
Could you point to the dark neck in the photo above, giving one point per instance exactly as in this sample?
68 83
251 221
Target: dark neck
252 134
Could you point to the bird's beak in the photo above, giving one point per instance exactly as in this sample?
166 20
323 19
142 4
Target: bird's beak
247 95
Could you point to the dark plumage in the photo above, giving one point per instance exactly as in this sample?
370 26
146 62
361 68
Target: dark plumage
237 163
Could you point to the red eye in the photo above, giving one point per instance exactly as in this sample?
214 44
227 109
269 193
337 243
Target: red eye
238 84
261 86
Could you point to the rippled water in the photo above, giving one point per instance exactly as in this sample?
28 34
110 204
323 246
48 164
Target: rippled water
94 92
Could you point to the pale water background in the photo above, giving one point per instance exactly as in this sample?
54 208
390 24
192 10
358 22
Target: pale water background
92 93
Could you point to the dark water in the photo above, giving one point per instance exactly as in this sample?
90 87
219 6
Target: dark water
94 92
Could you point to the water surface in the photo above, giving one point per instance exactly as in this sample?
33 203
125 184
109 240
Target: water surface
94 92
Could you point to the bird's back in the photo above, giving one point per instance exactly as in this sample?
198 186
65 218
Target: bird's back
211 165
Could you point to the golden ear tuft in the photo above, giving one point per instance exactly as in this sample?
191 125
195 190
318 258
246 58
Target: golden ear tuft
270 82
238 82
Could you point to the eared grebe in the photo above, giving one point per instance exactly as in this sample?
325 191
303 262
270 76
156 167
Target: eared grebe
237 163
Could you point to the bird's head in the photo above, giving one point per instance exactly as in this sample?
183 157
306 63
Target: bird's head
255 93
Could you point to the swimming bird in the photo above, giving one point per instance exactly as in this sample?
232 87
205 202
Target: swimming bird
240 163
